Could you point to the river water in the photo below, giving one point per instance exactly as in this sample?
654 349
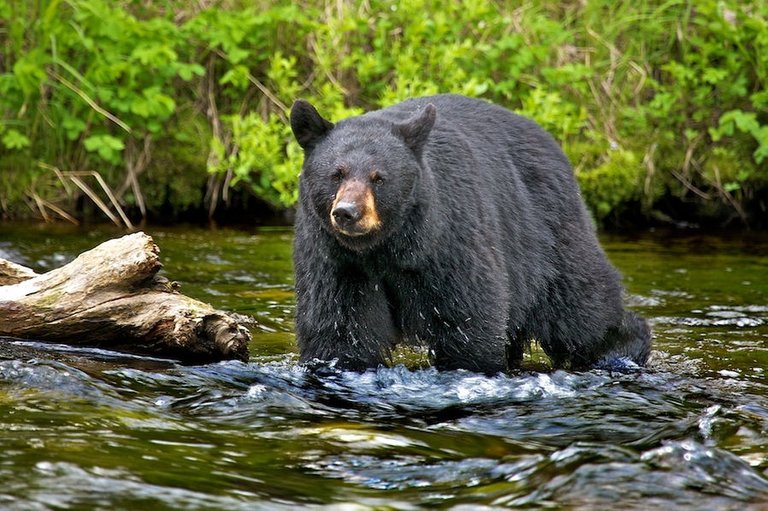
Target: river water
97 430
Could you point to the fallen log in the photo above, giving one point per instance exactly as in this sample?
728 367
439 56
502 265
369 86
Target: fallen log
111 297
12 273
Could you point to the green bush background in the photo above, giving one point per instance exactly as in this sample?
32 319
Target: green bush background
661 105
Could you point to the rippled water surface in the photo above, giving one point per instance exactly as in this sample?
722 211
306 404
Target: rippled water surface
93 429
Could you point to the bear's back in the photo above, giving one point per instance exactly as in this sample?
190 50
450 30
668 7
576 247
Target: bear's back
508 150
492 133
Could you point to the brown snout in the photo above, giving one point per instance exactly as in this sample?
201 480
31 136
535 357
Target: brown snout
353 212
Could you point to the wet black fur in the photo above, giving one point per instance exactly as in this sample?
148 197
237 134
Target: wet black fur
485 244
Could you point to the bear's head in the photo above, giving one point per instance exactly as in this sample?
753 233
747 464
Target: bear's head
359 175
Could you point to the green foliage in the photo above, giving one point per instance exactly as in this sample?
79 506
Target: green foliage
613 183
649 98
14 140
177 175
264 158
561 118
109 148
738 121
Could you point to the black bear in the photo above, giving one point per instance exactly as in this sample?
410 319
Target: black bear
450 222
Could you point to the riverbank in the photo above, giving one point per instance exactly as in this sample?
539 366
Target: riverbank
172 111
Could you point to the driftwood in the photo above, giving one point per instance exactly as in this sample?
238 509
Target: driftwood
112 297
12 273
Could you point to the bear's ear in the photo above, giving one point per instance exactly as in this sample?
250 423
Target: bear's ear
307 125
415 130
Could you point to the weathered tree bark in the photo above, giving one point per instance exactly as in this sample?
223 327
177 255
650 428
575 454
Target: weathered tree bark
12 273
112 297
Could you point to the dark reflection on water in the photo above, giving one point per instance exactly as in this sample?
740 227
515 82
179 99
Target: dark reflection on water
93 429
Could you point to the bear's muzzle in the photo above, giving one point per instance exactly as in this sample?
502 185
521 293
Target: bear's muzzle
353 212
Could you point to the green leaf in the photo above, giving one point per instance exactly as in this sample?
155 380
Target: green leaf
13 139
141 107
29 73
714 75
154 126
109 148
236 54
237 77
73 126
187 71
761 153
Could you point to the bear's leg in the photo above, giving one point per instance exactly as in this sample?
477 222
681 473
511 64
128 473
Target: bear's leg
473 339
468 326
570 319
469 350
345 318
581 323
518 341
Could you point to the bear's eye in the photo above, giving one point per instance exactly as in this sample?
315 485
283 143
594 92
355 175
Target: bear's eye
338 174
377 179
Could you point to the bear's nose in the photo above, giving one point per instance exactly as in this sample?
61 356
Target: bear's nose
346 214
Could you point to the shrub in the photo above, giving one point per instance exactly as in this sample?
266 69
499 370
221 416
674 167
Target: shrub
650 99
